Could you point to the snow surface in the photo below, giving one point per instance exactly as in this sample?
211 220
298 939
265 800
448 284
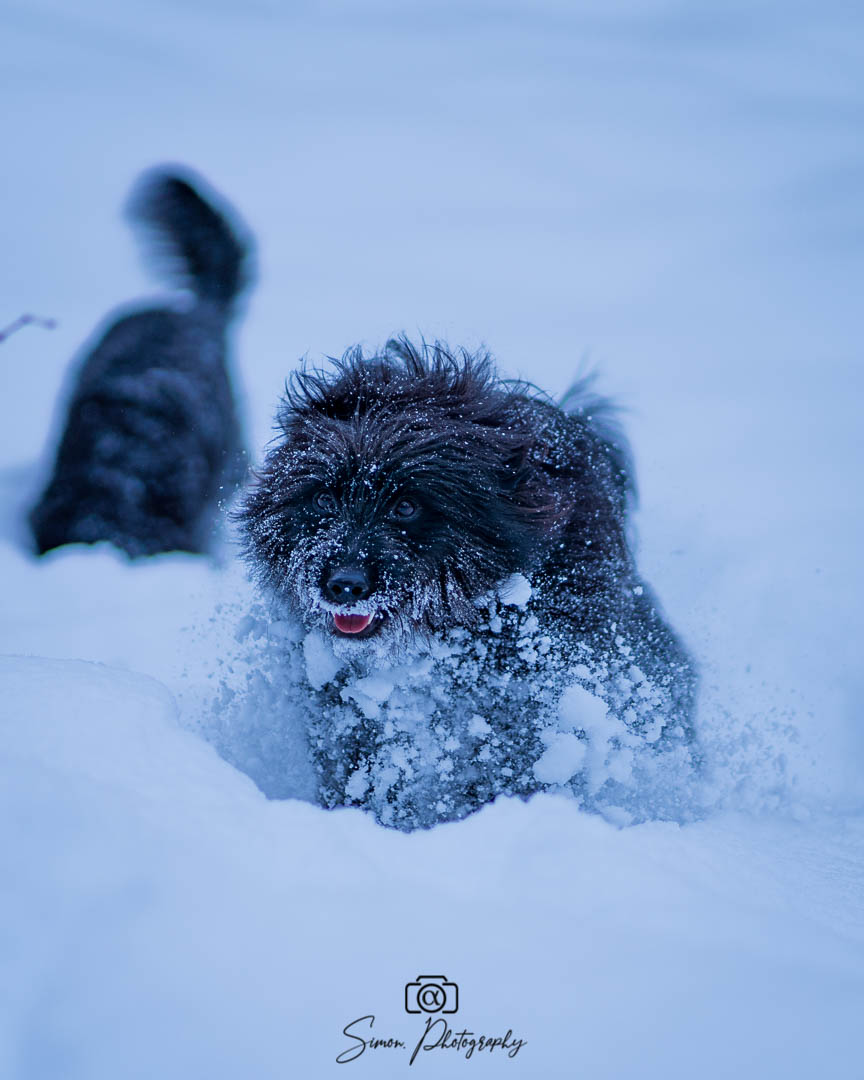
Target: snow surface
673 192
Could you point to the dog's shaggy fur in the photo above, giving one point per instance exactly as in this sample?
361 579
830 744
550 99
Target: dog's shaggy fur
402 490
152 440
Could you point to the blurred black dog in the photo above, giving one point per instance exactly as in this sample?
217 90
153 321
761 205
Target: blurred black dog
404 489
152 440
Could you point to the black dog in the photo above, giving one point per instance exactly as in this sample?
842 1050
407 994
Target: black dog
152 440
404 490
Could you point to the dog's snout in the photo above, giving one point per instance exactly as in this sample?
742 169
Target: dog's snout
347 585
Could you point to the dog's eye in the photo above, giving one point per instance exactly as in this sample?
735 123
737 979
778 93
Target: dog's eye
405 510
326 501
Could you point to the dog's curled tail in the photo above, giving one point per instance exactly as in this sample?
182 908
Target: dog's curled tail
194 239
601 417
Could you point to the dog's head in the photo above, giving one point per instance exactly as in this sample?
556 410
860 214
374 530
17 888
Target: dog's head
399 490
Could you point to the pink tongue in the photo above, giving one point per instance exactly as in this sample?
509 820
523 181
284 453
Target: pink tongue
351 624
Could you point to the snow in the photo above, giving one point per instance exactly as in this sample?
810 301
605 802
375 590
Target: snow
321 664
563 757
516 590
162 917
670 190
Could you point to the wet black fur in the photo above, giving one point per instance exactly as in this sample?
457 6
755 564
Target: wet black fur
507 482
152 441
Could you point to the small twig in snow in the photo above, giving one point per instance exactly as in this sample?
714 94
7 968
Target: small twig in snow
26 320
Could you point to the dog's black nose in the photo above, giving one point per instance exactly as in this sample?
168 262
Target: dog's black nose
346 585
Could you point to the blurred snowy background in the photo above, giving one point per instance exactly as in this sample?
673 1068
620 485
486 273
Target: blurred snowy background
671 192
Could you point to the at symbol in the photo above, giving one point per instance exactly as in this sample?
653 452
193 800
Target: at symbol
432 998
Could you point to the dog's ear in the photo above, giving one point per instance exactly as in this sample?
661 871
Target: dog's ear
515 470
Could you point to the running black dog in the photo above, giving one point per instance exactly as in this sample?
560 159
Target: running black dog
152 440
458 546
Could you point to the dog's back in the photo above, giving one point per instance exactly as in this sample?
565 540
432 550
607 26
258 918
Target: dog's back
589 579
152 438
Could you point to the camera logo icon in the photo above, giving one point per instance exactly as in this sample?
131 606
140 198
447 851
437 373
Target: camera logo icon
431 994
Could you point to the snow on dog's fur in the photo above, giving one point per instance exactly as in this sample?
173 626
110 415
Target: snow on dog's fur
456 545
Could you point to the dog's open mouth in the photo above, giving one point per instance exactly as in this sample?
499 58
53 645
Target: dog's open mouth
357 626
